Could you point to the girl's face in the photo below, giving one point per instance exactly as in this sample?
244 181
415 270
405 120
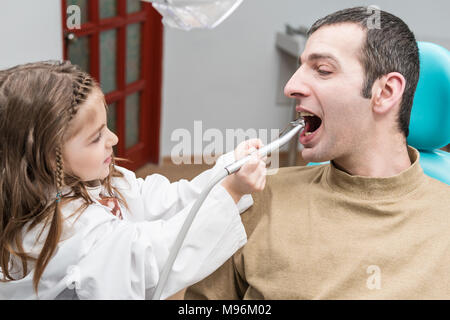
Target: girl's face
87 152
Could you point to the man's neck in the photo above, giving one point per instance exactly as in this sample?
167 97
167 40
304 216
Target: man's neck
380 160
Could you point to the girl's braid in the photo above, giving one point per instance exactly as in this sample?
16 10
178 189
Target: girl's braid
59 173
82 85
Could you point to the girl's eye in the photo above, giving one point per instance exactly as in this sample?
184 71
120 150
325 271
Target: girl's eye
98 138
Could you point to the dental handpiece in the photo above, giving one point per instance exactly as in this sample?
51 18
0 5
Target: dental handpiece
298 125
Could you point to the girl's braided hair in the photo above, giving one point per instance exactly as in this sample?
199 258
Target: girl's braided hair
37 104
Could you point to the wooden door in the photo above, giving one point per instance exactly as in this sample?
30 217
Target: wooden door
119 43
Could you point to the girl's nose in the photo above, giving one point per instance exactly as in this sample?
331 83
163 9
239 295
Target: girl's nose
112 139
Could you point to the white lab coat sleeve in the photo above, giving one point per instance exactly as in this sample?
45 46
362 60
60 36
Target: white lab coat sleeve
162 199
125 259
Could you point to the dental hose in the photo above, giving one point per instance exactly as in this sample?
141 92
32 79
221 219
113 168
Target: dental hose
298 125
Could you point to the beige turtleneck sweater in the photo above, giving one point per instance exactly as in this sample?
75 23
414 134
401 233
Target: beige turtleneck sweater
319 233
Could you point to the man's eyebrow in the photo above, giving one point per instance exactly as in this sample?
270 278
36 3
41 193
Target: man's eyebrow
319 56
96 132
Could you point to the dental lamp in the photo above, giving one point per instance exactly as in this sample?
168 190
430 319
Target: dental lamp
190 14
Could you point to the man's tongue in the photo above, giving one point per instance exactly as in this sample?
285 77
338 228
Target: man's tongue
307 126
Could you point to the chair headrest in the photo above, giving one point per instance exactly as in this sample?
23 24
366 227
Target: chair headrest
430 116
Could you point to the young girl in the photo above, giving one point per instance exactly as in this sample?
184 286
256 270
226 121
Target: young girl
75 225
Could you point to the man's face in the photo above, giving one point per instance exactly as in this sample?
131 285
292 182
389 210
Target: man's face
328 84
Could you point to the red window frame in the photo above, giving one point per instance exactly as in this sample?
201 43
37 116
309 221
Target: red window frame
147 150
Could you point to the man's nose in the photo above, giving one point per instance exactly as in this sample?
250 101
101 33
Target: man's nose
297 86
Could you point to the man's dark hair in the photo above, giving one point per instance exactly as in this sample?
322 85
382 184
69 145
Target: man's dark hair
390 48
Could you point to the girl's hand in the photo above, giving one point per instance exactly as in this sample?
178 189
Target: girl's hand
252 175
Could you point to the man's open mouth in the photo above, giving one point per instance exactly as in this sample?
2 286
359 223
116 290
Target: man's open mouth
312 122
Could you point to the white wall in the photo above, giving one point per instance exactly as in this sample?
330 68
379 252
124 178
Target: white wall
30 31
229 77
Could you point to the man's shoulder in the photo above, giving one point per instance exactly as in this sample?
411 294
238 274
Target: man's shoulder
438 189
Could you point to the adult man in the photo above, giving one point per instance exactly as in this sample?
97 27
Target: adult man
369 225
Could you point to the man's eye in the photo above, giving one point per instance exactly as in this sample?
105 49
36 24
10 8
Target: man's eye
323 72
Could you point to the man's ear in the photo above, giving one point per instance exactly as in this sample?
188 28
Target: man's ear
387 92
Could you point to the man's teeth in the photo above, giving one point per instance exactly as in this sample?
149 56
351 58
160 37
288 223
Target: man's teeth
308 133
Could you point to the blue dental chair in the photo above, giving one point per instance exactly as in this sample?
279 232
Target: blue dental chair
429 127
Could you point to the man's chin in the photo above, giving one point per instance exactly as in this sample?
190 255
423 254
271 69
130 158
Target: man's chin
311 155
